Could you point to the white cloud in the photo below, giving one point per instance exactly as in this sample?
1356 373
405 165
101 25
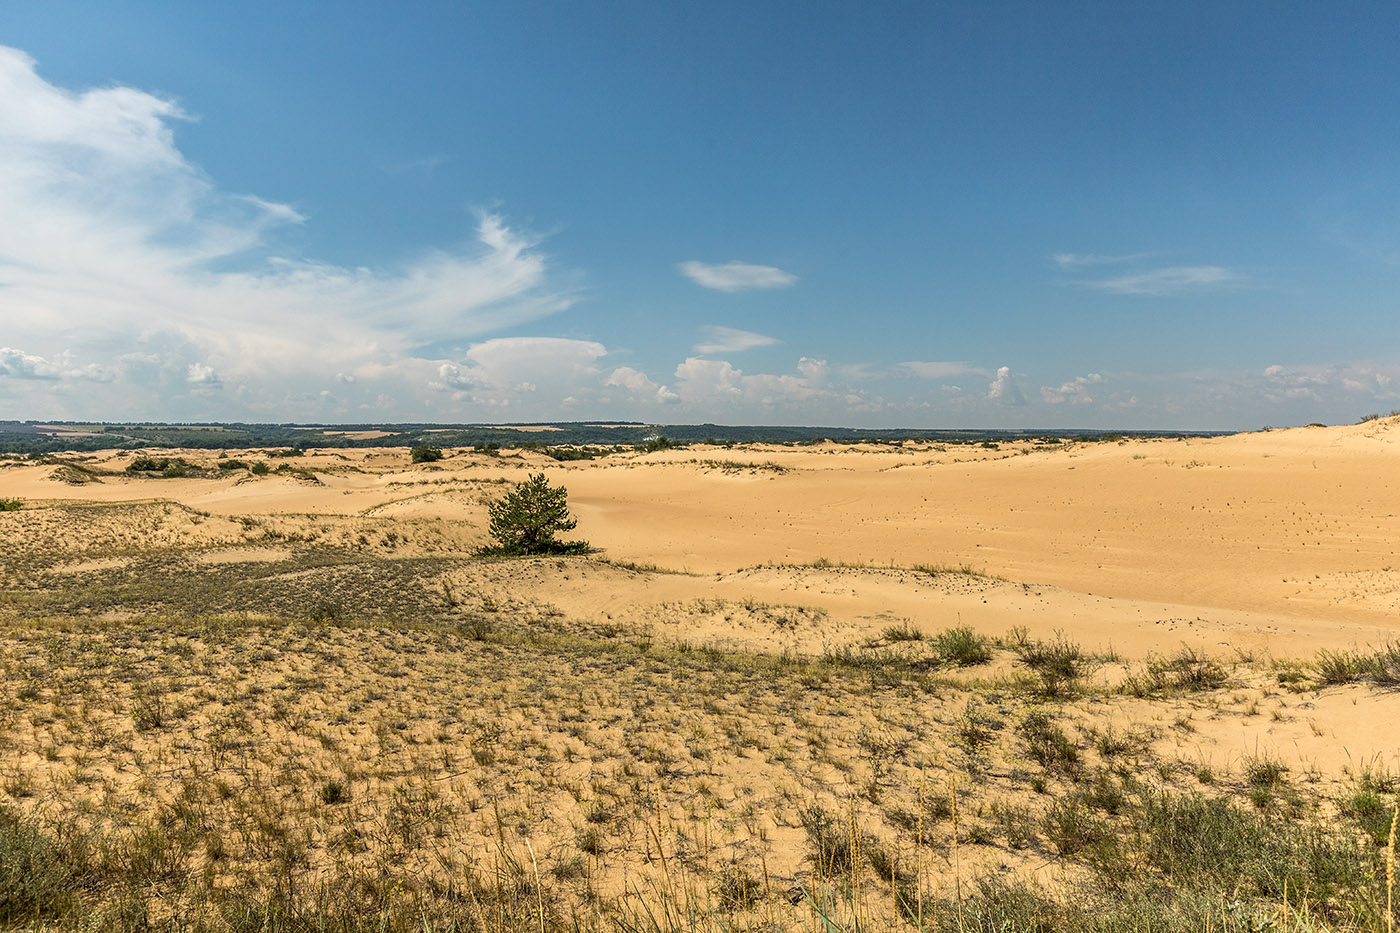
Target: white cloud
940 370
735 276
200 374
23 365
20 365
1074 260
633 380
814 371
732 340
704 380
640 385
1004 389
1075 391
114 244
502 370
709 382
1171 279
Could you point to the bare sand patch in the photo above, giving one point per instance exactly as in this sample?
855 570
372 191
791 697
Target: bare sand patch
241 555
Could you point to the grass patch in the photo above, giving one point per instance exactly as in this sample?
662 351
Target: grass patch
962 647
1187 671
1380 667
1060 664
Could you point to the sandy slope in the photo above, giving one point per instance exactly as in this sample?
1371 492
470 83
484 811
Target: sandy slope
1270 544
1284 540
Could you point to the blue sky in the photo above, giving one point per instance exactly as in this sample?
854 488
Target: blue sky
929 215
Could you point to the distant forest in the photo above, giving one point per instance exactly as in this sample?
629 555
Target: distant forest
26 437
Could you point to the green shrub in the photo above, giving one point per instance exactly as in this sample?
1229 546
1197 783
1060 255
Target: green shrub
526 520
167 467
425 454
145 464
962 646
11 505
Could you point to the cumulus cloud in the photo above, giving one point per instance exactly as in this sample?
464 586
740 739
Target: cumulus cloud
23 365
735 276
199 374
1171 280
20 365
732 340
113 243
640 385
1336 392
500 371
1075 391
1004 389
709 382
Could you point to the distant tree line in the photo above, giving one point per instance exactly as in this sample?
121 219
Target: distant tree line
596 439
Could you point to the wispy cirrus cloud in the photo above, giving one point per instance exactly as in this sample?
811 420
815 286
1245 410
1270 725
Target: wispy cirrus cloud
1076 260
423 165
1080 259
927 369
1169 280
732 340
1142 278
735 276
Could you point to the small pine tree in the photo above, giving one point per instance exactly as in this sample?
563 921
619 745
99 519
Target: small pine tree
526 519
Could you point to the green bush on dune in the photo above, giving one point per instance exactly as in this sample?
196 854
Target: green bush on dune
526 519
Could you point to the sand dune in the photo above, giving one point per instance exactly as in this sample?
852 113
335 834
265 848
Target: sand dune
1284 540
797 594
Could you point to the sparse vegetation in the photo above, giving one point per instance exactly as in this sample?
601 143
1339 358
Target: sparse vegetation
742 466
165 467
1060 664
1380 667
343 720
963 647
1185 671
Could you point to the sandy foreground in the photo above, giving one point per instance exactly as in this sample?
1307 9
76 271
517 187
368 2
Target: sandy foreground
1258 551
1280 543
